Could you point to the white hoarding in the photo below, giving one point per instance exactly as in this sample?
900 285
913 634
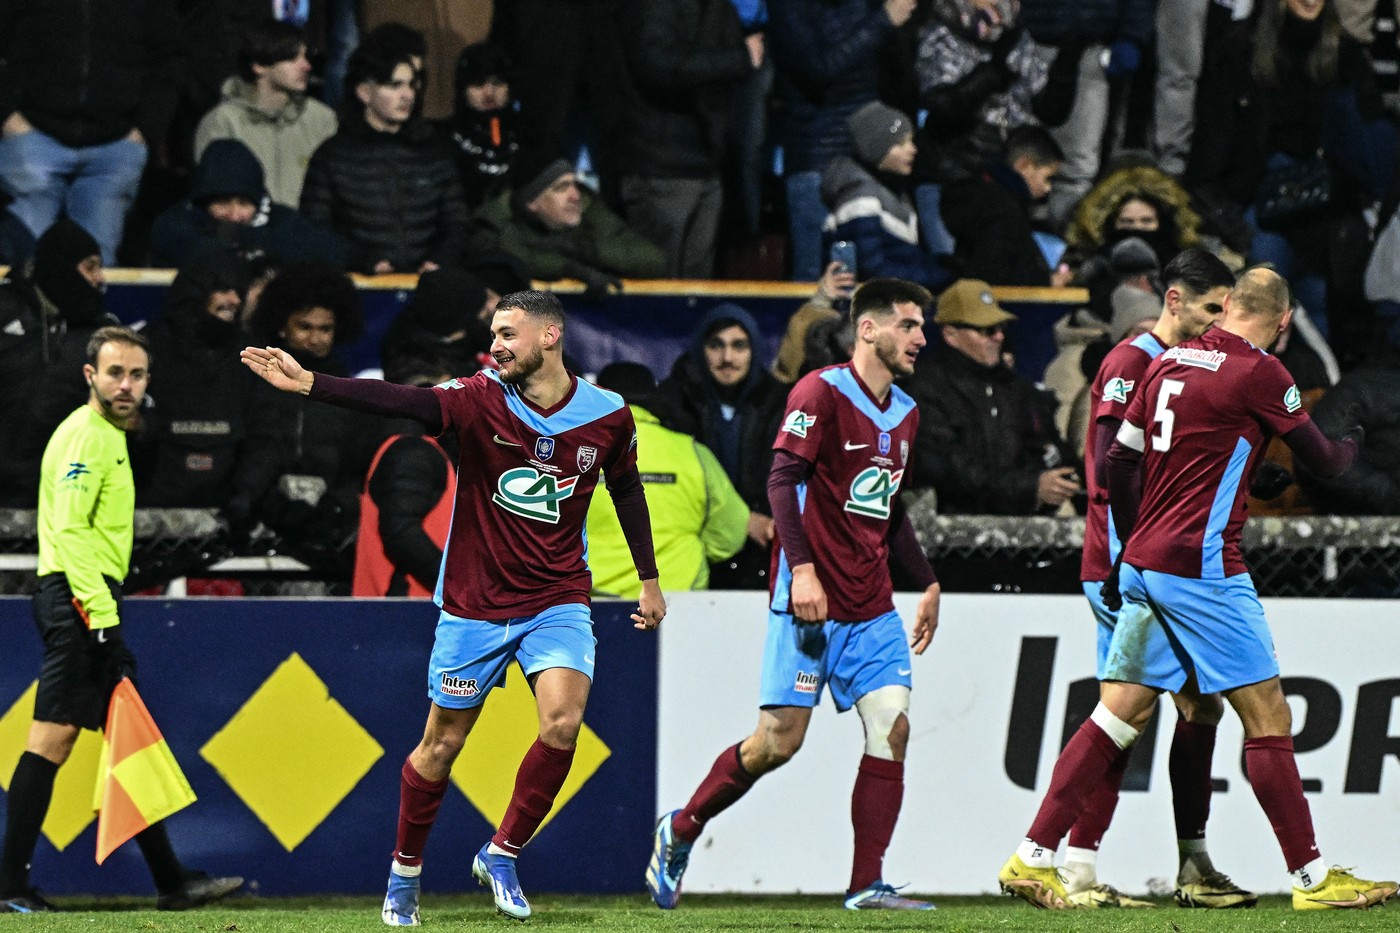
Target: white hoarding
976 773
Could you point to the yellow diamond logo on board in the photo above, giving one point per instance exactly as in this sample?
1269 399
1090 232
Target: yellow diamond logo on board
292 753
71 811
485 771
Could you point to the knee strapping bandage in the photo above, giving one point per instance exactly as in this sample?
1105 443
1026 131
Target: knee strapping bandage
879 710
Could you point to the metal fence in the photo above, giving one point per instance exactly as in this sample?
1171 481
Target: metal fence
1306 556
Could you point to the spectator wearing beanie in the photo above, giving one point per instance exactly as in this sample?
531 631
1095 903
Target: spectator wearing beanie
869 203
229 207
448 318
554 228
483 123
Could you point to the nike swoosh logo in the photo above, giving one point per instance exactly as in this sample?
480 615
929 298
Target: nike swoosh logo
1359 901
503 442
905 671
121 461
850 446
588 659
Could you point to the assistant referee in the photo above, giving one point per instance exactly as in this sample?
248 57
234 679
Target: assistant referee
87 510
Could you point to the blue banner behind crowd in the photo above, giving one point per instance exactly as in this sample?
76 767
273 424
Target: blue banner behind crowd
652 328
292 720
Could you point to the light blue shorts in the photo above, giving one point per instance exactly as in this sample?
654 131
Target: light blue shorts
850 658
1149 640
1215 629
470 656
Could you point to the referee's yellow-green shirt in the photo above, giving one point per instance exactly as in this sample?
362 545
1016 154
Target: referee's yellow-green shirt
87 510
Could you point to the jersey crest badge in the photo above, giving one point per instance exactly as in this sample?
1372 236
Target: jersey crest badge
1292 399
587 456
544 448
798 423
903 453
527 492
1117 390
884 443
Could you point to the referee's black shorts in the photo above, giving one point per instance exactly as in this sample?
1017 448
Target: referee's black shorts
76 681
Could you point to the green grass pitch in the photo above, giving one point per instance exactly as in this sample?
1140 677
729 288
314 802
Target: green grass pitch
727 914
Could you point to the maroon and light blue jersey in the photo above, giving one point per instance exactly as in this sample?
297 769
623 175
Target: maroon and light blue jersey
1119 375
1202 417
859 453
524 480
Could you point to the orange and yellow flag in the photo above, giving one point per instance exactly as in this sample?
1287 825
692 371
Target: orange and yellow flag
138 781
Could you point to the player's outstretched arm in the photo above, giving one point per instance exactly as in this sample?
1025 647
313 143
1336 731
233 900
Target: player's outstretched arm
651 606
926 618
277 368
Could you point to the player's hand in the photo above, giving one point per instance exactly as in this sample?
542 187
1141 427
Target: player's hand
651 606
278 368
926 618
808 599
1112 597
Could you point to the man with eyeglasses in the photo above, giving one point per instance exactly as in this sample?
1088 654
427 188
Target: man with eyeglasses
987 443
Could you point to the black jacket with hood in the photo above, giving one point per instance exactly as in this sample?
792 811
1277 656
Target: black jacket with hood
228 168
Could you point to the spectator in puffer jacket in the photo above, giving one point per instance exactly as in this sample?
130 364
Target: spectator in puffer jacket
384 182
229 207
869 200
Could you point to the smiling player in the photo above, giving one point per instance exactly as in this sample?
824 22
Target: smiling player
514 583
841 454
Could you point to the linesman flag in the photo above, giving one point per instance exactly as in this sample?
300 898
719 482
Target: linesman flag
138 781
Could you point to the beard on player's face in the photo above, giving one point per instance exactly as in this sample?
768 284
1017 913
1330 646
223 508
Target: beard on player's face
516 368
888 351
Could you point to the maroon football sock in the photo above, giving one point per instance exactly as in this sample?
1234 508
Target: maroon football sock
1273 771
537 783
726 783
419 801
1089 829
875 803
1081 767
1193 745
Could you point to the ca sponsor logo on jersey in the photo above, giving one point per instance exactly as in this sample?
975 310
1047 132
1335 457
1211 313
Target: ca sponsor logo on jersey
450 384
459 686
529 493
798 423
872 491
544 448
1292 399
1117 390
587 456
805 683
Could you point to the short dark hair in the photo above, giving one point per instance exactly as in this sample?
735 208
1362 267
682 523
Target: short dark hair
396 40
303 286
633 381
374 64
1034 143
266 43
1198 271
115 333
879 296
542 306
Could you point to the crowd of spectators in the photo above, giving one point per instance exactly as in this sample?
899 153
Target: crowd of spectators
960 144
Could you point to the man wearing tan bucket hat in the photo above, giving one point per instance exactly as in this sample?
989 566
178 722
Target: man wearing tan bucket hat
985 444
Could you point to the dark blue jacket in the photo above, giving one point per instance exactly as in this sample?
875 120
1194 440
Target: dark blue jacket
827 56
1079 22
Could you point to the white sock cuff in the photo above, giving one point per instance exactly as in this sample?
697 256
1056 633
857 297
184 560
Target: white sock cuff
405 871
1081 856
1119 731
1310 875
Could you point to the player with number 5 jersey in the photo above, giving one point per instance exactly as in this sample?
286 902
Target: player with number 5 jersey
535 441
841 456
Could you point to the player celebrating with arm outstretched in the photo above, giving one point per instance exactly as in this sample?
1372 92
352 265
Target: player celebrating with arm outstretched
514 583
841 453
